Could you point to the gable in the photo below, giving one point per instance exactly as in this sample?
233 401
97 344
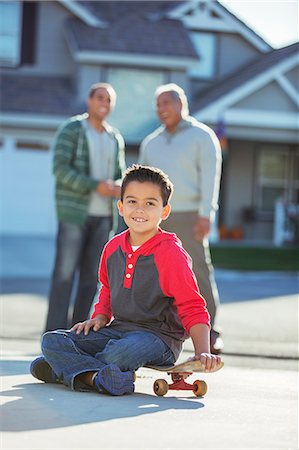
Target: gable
266 75
214 17
293 77
269 98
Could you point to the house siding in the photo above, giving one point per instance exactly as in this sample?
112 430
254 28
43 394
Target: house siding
52 56
228 60
269 98
293 77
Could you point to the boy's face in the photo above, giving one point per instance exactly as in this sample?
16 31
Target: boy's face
142 209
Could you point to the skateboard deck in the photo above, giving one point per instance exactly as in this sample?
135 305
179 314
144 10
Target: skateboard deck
185 367
178 373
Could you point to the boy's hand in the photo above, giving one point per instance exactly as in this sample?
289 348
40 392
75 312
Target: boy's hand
208 360
96 324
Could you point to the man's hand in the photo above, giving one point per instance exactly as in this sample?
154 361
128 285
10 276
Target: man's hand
209 361
106 188
116 190
96 324
202 228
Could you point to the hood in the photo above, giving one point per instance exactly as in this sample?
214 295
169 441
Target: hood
147 248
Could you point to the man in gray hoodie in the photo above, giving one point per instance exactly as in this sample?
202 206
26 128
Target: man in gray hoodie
189 152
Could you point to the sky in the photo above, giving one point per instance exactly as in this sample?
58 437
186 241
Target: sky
276 21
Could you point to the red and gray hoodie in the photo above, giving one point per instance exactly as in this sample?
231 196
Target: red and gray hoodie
152 289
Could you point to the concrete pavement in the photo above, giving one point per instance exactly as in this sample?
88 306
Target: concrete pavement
251 404
244 408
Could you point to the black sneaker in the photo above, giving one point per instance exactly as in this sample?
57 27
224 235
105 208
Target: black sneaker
114 381
41 370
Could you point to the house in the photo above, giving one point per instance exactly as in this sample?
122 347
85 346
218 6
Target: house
51 52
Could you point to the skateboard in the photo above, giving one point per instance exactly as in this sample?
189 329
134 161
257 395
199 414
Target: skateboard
178 374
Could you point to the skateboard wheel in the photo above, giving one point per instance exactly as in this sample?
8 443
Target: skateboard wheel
160 387
200 388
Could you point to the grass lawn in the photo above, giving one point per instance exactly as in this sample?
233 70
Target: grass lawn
255 258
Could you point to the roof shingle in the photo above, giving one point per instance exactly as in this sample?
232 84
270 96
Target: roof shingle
37 94
134 34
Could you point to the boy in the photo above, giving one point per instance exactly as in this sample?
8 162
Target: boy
148 305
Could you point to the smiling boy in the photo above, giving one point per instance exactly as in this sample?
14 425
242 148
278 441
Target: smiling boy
149 301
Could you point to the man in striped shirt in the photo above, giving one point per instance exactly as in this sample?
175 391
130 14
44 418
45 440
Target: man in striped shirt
88 166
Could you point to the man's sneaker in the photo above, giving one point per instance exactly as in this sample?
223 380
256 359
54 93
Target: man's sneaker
41 370
114 381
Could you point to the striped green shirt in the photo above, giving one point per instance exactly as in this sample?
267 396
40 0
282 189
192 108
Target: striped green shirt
71 167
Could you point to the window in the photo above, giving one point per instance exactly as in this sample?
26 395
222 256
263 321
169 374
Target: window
205 45
10 32
134 114
295 176
277 175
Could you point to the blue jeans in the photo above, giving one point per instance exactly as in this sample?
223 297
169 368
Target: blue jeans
78 248
70 354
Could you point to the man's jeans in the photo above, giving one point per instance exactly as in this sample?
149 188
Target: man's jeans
78 248
70 354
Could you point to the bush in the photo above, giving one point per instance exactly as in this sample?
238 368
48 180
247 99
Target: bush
255 258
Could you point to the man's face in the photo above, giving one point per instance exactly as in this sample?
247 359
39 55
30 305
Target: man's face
99 105
169 110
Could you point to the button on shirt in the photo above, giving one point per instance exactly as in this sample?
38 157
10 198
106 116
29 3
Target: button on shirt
131 261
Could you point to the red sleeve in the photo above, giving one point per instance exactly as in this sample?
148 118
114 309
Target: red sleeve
177 280
103 306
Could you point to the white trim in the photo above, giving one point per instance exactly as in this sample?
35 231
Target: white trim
82 13
255 118
200 20
288 88
230 23
139 60
207 24
263 119
31 121
246 133
248 88
181 10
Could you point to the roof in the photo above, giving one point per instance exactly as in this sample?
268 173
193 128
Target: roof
57 95
131 28
111 11
243 74
37 94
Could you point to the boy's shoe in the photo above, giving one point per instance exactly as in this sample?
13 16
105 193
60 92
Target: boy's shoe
41 370
114 381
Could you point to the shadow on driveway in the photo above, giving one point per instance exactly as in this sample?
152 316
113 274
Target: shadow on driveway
40 406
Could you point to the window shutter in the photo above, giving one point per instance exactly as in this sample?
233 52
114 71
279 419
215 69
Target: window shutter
29 25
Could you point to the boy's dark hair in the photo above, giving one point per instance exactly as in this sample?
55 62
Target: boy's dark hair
144 174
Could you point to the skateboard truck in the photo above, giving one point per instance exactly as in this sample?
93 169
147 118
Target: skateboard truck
178 374
161 387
